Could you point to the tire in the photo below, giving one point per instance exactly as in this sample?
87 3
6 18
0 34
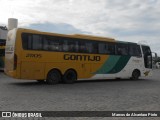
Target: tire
69 77
53 77
135 75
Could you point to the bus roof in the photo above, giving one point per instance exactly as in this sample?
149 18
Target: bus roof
80 36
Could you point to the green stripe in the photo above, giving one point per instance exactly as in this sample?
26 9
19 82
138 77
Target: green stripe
113 64
120 64
108 65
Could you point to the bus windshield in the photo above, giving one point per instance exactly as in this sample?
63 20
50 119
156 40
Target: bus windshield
147 56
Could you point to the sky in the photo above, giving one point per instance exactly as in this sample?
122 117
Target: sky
124 20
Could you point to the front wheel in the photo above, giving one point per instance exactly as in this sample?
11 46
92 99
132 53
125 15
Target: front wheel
53 77
135 75
69 77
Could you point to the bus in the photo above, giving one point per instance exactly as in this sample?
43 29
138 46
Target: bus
2 53
54 58
3 35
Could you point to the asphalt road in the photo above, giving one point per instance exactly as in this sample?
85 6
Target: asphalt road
99 95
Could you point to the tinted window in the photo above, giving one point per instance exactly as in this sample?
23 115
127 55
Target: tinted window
147 56
82 47
89 47
31 42
36 42
45 43
106 48
26 41
146 50
65 46
110 47
121 49
53 43
73 46
134 50
95 47
102 48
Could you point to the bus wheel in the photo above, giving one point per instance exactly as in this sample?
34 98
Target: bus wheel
53 77
135 74
70 76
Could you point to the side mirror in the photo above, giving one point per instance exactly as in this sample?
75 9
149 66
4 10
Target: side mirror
155 55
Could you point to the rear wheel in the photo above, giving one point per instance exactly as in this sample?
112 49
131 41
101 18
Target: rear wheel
70 76
53 77
135 74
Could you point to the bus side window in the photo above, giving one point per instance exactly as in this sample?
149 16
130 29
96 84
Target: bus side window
106 48
73 46
54 45
45 44
89 47
95 47
110 48
24 41
36 42
138 51
121 49
51 43
102 48
65 45
134 50
82 47
27 41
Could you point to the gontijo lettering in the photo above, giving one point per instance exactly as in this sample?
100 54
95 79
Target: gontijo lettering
81 57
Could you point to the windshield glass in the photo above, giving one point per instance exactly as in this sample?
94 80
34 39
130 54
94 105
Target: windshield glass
147 56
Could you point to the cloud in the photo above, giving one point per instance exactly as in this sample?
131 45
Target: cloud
131 20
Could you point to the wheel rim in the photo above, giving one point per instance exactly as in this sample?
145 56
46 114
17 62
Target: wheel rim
135 75
70 76
53 77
